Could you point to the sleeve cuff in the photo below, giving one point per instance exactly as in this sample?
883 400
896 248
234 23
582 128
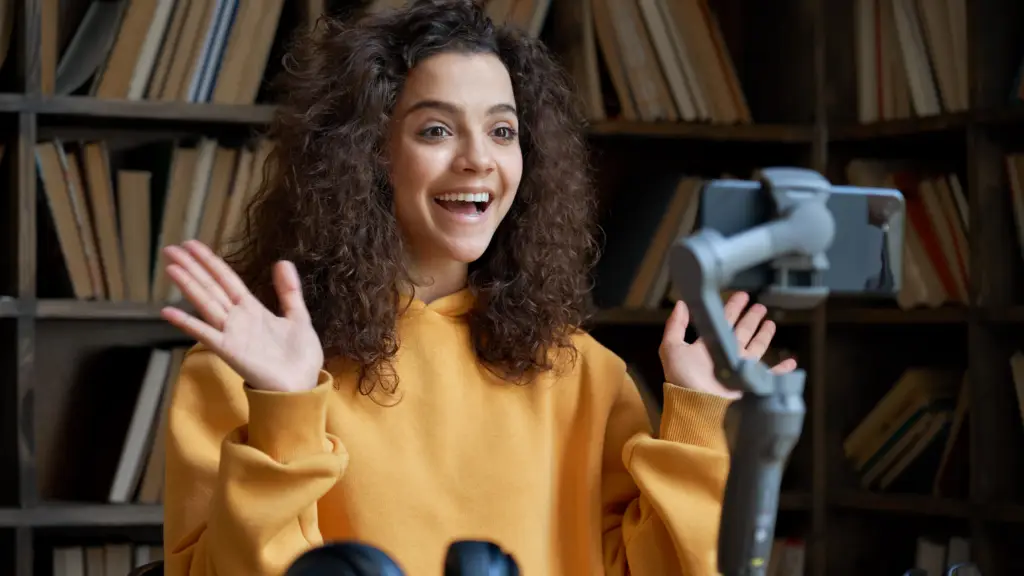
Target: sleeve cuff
289 425
693 417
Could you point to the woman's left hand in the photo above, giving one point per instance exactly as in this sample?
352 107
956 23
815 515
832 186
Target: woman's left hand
690 365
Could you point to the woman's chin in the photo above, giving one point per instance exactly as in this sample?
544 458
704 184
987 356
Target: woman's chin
467 250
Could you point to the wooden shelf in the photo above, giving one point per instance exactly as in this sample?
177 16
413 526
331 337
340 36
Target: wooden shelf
177 112
903 503
256 115
1011 315
83 515
260 114
901 128
1002 117
866 315
924 505
71 309
770 133
1006 513
96 310
150 110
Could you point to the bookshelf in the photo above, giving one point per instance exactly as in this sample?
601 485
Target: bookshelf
796 62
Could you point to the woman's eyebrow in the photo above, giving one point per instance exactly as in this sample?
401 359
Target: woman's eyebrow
455 109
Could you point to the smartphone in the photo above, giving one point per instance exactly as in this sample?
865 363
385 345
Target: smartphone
865 258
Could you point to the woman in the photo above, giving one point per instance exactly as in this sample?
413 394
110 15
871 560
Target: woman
395 356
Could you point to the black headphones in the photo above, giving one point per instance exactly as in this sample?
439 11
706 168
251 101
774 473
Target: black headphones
464 558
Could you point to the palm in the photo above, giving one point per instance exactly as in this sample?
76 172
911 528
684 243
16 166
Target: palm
270 352
697 358
691 366
264 347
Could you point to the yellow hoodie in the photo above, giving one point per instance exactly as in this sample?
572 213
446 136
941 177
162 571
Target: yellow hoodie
564 473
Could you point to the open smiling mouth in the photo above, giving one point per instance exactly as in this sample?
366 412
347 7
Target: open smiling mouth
465 203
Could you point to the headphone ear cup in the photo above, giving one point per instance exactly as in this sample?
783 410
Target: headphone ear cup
344 559
478 558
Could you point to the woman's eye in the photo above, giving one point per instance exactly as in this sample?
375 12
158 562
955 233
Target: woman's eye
434 132
505 133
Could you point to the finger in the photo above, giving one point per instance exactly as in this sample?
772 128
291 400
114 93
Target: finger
787 365
193 267
759 344
192 326
206 305
732 394
289 291
754 339
748 324
222 273
675 326
734 306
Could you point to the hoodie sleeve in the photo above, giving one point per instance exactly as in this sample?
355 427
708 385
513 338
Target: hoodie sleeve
244 471
663 496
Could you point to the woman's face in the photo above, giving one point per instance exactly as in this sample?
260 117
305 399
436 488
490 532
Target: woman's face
455 156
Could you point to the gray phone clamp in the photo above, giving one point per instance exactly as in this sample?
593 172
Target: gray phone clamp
800 198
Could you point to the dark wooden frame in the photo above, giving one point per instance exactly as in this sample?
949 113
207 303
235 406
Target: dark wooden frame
994 504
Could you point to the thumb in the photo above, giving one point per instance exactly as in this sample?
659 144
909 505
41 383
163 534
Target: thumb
675 326
787 365
289 291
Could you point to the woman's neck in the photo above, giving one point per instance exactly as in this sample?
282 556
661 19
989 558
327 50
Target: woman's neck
437 278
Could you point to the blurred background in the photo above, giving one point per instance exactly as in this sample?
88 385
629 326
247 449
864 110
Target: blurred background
129 124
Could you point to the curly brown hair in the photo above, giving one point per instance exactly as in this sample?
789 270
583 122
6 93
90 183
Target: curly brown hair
326 204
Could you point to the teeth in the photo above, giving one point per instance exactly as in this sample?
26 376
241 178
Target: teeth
464 197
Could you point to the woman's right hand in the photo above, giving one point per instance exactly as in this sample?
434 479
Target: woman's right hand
270 352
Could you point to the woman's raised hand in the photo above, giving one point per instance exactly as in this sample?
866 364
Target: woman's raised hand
271 352
690 365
